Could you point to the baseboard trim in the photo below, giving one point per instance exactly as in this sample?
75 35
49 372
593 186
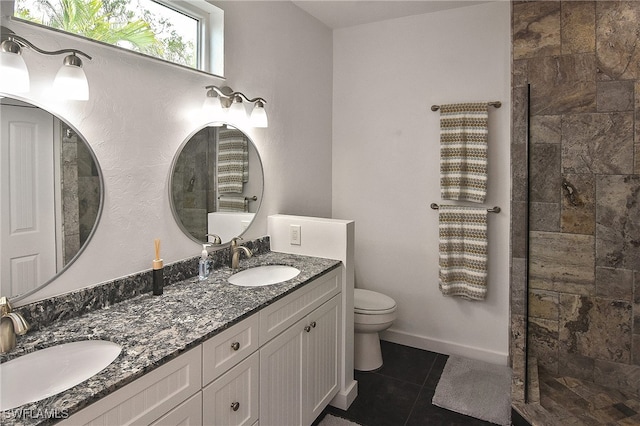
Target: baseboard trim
444 347
343 399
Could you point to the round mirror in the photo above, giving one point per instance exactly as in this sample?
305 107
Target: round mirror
216 183
51 193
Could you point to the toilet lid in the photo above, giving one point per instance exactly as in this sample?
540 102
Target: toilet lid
367 301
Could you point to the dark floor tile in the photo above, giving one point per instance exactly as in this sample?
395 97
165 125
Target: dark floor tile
406 363
381 400
425 413
436 371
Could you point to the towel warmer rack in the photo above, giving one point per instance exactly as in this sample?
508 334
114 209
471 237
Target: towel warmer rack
496 104
254 198
495 209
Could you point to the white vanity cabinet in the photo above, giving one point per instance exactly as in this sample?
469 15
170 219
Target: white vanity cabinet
278 367
299 367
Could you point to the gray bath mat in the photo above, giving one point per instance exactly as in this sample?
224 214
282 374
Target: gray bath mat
475 388
330 420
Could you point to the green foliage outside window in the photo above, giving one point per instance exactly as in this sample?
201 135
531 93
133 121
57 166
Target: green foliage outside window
114 22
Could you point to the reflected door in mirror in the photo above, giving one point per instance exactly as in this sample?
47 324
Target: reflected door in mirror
27 202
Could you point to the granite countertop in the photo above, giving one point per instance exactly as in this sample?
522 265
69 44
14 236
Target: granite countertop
153 330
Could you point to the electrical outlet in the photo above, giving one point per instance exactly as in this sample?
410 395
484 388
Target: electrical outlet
295 238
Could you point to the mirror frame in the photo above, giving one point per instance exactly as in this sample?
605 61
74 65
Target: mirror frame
22 296
174 212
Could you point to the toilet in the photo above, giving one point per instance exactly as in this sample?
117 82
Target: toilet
373 312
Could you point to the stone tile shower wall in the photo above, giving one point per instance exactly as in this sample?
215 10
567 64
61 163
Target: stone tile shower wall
582 61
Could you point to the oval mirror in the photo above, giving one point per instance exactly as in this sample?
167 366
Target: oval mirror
216 183
51 193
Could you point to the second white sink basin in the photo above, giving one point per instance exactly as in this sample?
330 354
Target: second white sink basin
263 275
49 371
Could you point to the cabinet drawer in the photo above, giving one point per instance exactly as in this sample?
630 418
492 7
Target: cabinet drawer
277 317
147 398
189 413
228 348
233 398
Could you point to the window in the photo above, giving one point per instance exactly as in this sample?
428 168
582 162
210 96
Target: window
188 33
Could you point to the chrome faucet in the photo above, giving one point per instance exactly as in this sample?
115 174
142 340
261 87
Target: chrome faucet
11 324
235 252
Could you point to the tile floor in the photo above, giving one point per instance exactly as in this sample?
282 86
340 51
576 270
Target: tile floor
400 392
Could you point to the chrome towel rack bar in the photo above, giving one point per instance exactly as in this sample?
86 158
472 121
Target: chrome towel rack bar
496 104
495 209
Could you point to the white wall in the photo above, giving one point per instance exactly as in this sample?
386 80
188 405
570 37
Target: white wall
140 112
386 165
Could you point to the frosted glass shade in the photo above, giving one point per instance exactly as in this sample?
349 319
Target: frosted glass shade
71 83
237 113
259 117
14 72
211 107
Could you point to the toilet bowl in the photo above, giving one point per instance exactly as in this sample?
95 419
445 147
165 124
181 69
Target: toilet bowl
373 312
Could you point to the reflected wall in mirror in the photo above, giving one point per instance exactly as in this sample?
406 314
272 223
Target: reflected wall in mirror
216 183
50 196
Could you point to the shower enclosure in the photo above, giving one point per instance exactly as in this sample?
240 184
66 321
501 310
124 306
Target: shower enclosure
576 207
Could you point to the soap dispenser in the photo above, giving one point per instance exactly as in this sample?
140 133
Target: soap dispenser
204 265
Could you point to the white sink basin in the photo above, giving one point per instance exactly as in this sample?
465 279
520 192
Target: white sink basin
263 275
49 371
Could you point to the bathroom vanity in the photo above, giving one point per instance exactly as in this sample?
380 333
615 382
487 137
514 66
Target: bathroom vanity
208 352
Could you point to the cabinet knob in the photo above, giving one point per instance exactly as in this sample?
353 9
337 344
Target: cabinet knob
307 328
235 346
235 406
313 324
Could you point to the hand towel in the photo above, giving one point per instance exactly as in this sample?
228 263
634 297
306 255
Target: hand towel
463 151
463 251
233 161
233 203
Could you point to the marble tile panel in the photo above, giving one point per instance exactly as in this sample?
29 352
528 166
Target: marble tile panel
625 378
614 96
517 355
595 327
614 284
545 179
518 229
576 365
562 262
578 32
636 169
536 29
617 38
617 224
563 84
543 304
519 172
519 112
543 343
546 129
519 73
578 204
544 217
597 143
635 349
518 283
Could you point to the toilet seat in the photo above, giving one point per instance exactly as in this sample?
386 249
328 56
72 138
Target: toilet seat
367 302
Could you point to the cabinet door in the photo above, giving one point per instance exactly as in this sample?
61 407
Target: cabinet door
232 399
281 378
322 354
189 413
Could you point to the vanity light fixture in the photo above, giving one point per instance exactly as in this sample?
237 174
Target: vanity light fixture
70 81
220 99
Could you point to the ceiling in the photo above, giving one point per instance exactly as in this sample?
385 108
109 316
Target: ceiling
347 13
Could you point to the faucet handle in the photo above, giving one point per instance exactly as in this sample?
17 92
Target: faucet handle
216 238
20 325
234 241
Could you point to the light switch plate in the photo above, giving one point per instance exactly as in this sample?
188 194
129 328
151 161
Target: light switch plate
295 238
